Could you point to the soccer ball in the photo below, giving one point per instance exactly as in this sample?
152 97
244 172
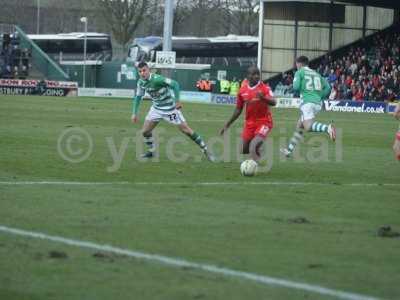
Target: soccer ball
248 167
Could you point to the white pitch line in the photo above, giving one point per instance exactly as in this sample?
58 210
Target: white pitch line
61 183
278 183
177 262
222 183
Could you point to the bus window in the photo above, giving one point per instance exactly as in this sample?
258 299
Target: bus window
226 51
72 46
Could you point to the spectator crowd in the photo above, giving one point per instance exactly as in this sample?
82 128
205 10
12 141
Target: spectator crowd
366 72
14 61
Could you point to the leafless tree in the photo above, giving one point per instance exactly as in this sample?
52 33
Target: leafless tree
183 11
61 16
123 17
216 17
12 12
202 17
181 14
240 16
126 19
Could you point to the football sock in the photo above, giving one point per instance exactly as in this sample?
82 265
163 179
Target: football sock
319 127
296 138
198 140
149 141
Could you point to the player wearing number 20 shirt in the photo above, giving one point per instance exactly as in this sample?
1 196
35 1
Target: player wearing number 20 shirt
256 97
313 88
164 93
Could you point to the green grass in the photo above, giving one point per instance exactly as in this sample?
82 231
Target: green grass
237 226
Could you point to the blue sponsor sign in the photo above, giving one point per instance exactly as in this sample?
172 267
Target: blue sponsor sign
391 107
195 96
223 99
356 106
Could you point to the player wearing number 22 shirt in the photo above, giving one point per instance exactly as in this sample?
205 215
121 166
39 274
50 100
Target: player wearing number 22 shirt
256 97
164 93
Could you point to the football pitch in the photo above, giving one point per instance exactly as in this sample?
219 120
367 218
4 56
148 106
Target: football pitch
83 217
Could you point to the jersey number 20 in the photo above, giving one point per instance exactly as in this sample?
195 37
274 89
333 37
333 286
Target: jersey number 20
313 83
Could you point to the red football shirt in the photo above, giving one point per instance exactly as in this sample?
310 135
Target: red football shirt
256 110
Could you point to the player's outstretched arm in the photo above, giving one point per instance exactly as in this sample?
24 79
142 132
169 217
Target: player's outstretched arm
235 115
136 104
297 81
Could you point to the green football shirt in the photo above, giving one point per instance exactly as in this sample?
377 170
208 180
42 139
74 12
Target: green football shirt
164 92
312 86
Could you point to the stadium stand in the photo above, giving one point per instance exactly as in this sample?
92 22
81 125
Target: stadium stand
21 58
14 60
367 70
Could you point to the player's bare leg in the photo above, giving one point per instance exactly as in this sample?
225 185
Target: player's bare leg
184 128
396 146
309 125
246 146
147 130
255 147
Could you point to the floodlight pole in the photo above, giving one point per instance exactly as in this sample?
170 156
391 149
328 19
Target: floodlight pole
84 20
168 24
38 17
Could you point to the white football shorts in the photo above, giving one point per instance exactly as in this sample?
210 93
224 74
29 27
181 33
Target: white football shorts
174 116
309 111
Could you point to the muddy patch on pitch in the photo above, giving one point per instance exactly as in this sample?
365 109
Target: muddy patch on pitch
58 254
298 220
386 231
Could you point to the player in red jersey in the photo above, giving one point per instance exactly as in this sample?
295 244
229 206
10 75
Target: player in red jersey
257 97
396 144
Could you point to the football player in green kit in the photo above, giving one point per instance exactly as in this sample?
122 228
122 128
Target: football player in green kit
164 93
313 89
